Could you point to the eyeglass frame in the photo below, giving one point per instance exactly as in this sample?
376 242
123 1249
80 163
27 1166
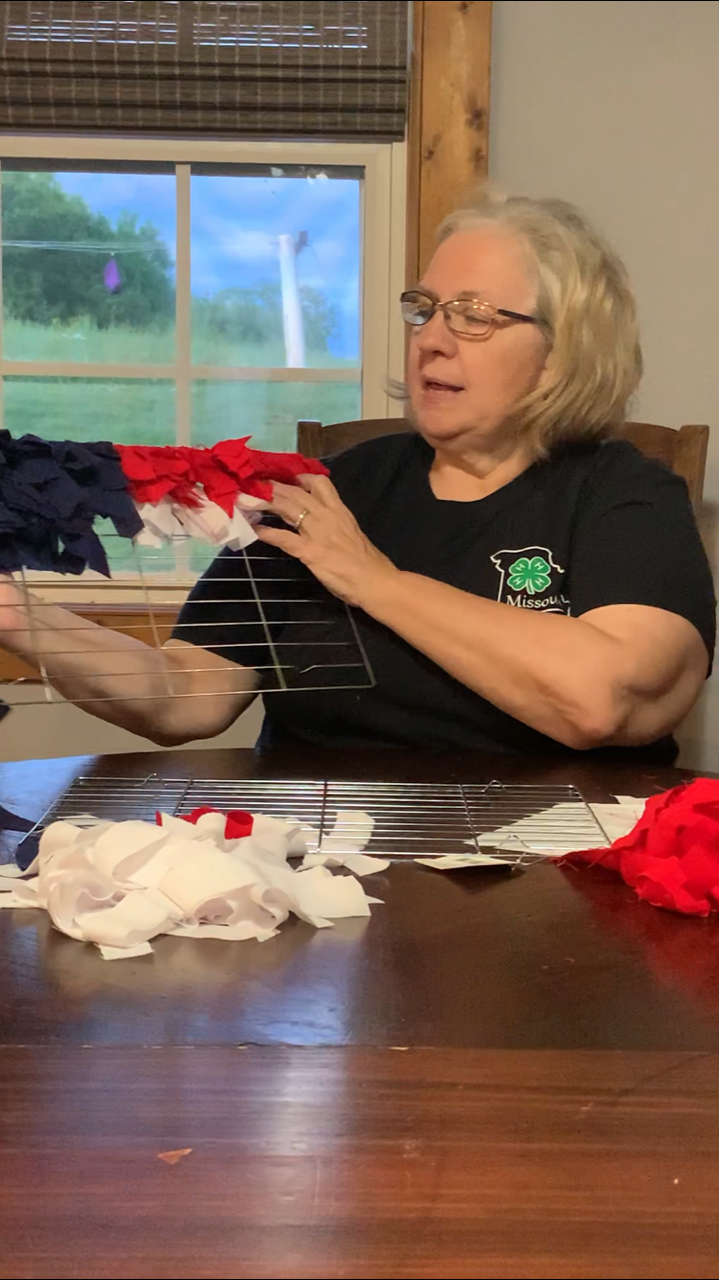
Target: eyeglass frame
436 306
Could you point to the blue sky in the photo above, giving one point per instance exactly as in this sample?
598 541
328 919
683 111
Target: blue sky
235 225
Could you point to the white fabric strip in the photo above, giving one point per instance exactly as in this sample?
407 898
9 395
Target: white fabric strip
166 520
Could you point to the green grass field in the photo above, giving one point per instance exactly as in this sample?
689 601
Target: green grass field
83 343
138 412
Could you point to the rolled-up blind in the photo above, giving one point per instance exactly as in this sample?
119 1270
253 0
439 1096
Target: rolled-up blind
252 69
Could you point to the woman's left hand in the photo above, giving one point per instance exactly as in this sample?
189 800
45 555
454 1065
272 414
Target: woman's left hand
327 539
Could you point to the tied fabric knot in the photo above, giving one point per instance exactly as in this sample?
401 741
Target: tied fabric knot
156 472
671 857
51 494
257 469
184 473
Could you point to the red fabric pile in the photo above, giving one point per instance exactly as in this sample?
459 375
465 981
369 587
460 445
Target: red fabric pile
671 858
229 468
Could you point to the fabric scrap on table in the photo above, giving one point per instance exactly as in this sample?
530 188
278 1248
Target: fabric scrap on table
121 884
13 822
339 848
561 829
670 857
550 833
464 862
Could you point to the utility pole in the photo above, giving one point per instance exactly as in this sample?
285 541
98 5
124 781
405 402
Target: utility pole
292 320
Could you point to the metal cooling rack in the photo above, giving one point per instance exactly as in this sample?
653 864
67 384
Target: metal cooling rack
411 819
286 626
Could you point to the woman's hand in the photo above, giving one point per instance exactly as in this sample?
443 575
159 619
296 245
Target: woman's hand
327 539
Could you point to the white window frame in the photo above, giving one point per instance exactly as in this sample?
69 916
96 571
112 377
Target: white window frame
382 264
382 257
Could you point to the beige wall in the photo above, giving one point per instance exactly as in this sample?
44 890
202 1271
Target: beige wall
615 105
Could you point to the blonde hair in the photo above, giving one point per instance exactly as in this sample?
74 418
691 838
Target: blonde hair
586 309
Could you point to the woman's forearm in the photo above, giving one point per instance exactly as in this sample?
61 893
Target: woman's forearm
169 695
562 676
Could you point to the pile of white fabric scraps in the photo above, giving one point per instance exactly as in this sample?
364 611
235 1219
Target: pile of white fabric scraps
210 875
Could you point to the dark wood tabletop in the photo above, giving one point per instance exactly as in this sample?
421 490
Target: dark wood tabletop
493 1076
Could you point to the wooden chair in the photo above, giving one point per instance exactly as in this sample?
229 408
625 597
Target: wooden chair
316 441
683 451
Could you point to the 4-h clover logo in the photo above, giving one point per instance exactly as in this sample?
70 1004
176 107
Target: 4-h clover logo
529 575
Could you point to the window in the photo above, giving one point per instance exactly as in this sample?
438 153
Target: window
160 292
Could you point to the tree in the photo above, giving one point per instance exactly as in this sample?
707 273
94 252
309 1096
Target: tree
320 317
254 315
43 284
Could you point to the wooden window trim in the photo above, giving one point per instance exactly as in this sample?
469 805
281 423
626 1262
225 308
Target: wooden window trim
448 126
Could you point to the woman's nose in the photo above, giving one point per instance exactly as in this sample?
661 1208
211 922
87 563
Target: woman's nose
435 336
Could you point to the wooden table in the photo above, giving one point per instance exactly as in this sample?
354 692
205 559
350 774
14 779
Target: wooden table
492 1077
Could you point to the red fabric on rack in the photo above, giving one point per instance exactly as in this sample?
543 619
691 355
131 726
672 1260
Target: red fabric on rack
156 472
222 472
671 857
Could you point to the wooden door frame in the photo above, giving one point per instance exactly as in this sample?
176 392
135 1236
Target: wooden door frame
448 124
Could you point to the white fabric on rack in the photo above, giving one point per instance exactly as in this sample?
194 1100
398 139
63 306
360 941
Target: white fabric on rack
166 520
564 828
120 884
549 833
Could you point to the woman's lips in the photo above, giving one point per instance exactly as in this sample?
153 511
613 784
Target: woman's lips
436 386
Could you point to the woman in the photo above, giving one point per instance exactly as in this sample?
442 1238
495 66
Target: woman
520 580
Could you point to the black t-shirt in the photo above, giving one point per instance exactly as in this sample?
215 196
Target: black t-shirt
591 526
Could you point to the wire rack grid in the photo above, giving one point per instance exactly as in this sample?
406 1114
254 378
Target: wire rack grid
410 819
263 612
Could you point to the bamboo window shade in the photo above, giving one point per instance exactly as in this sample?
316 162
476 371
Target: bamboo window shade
265 69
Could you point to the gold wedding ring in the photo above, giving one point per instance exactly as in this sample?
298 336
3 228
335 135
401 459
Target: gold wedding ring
300 518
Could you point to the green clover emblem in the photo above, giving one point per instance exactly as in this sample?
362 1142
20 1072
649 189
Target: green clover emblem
529 575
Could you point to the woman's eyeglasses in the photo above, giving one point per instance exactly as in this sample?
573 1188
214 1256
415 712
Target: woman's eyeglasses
466 317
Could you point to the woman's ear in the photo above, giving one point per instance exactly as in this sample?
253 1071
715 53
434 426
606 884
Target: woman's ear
547 374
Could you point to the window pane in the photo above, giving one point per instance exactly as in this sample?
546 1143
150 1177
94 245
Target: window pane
268 411
124 557
123 410
272 241
88 266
